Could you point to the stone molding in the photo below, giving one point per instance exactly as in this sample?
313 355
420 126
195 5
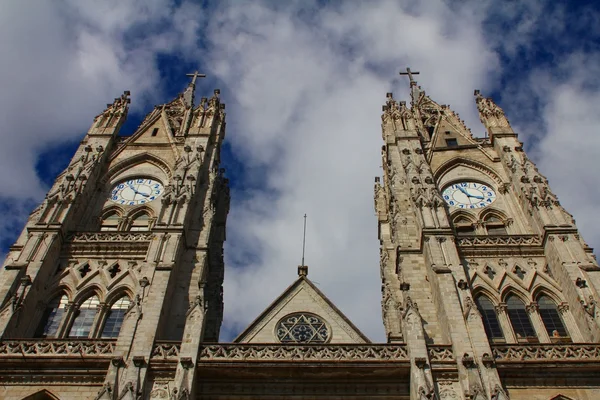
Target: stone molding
503 240
275 352
546 352
87 237
108 244
440 353
166 351
308 353
56 348
517 245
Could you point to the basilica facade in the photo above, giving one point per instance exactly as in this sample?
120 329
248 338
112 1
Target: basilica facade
114 288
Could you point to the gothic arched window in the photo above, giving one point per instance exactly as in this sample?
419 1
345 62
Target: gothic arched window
495 226
53 315
82 325
110 222
114 319
551 318
464 227
140 223
517 313
490 319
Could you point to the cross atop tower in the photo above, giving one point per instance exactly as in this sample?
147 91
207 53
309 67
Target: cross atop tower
194 76
410 76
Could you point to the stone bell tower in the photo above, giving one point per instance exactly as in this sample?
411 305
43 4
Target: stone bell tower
477 254
126 250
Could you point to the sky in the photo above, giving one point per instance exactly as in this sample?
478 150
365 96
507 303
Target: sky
303 82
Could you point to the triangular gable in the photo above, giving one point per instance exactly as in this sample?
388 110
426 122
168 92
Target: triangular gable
154 130
301 298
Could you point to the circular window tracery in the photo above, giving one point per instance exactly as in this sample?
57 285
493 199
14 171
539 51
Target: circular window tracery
302 328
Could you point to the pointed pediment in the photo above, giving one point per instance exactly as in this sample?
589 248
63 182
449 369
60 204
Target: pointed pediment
449 129
302 314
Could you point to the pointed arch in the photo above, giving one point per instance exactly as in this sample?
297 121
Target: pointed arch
53 315
41 395
489 318
463 223
110 218
93 289
486 291
115 316
118 292
140 219
449 165
495 222
516 291
121 167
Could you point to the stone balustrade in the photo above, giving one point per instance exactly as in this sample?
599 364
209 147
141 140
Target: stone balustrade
507 353
56 348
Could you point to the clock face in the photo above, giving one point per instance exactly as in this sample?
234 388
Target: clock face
469 195
136 191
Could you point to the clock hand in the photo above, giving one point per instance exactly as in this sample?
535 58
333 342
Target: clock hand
478 197
463 190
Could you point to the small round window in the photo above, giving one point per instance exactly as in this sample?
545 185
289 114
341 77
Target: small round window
302 328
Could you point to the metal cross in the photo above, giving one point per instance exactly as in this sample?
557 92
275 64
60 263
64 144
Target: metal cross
194 76
410 76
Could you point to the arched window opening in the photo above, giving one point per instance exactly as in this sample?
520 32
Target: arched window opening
115 317
495 226
85 318
517 313
140 223
110 222
490 319
53 315
552 320
463 227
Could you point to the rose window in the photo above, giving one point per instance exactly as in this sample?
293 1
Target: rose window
302 328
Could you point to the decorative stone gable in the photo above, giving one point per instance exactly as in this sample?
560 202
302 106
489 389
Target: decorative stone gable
302 314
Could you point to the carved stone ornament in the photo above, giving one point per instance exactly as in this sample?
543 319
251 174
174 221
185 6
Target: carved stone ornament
309 353
56 347
546 352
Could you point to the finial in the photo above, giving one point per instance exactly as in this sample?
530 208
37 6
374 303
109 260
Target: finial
194 76
302 270
410 76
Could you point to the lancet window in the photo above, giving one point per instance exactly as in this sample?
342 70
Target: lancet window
110 222
53 315
490 319
114 319
519 319
552 320
82 325
141 222
463 226
495 226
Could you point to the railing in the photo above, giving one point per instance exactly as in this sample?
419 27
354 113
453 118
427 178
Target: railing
440 353
234 352
56 348
546 352
320 353
500 240
166 351
90 237
109 244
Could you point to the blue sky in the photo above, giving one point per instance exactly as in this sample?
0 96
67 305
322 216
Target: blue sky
304 82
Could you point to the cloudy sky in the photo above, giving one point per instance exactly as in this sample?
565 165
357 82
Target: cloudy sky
304 82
